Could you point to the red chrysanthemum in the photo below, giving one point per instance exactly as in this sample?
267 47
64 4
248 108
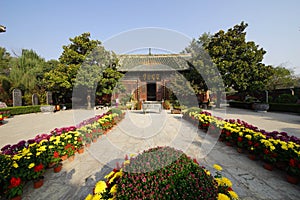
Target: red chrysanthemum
292 162
56 154
15 182
39 167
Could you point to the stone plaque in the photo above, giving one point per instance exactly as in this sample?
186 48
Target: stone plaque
49 100
17 97
35 100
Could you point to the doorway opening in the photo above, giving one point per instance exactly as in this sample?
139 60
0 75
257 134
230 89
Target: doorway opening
151 91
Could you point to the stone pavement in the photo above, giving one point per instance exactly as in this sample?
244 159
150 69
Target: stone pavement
138 132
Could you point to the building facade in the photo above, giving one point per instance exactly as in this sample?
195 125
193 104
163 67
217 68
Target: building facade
146 77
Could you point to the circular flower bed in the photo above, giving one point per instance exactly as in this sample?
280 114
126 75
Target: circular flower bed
163 173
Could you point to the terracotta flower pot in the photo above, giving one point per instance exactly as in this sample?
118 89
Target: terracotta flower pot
71 158
94 140
229 144
57 168
87 145
239 149
81 150
38 183
50 165
64 157
268 166
292 179
252 157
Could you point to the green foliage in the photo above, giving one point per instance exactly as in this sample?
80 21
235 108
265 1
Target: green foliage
26 71
115 110
286 98
164 173
283 107
4 61
192 109
238 61
281 78
204 75
19 110
166 104
62 78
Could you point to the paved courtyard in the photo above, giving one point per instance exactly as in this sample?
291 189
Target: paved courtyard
138 132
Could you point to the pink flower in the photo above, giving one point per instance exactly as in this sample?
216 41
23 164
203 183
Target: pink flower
144 180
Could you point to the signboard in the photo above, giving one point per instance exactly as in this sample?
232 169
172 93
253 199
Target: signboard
151 77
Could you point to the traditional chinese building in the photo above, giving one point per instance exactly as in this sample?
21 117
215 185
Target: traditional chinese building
146 76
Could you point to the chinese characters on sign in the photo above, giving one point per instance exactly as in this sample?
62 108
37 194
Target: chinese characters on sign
150 77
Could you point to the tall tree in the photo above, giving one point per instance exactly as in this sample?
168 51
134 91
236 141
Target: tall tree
61 79
24 71
204 74
239 61
97 72
281 78
4 61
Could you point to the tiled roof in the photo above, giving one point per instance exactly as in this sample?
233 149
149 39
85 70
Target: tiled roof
155 62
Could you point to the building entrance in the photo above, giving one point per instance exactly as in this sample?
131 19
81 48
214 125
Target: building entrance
151 91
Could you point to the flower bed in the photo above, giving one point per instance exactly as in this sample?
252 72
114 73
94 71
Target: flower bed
276 148
163 173
28 160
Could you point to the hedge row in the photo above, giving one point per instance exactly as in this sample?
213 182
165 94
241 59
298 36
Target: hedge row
18 110
295 108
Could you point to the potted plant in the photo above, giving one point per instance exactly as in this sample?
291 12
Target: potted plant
269 158
293 171
37 175
56 161
15 189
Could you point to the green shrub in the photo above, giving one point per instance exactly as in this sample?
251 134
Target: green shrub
166 104
286 98
115 110
295 108
164 173
193 109
19 110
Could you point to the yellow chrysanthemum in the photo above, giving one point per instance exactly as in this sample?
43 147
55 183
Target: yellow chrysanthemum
38 153
126 162
113 190
272 148
207 172
217 167
100 187
117 174
52 138
56 142
17 157
42 148
248 137
109 175
233 195
222 196
31 165
89 197
97 197
15 165
131 155
224 182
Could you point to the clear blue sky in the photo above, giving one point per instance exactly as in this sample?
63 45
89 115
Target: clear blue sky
45 26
